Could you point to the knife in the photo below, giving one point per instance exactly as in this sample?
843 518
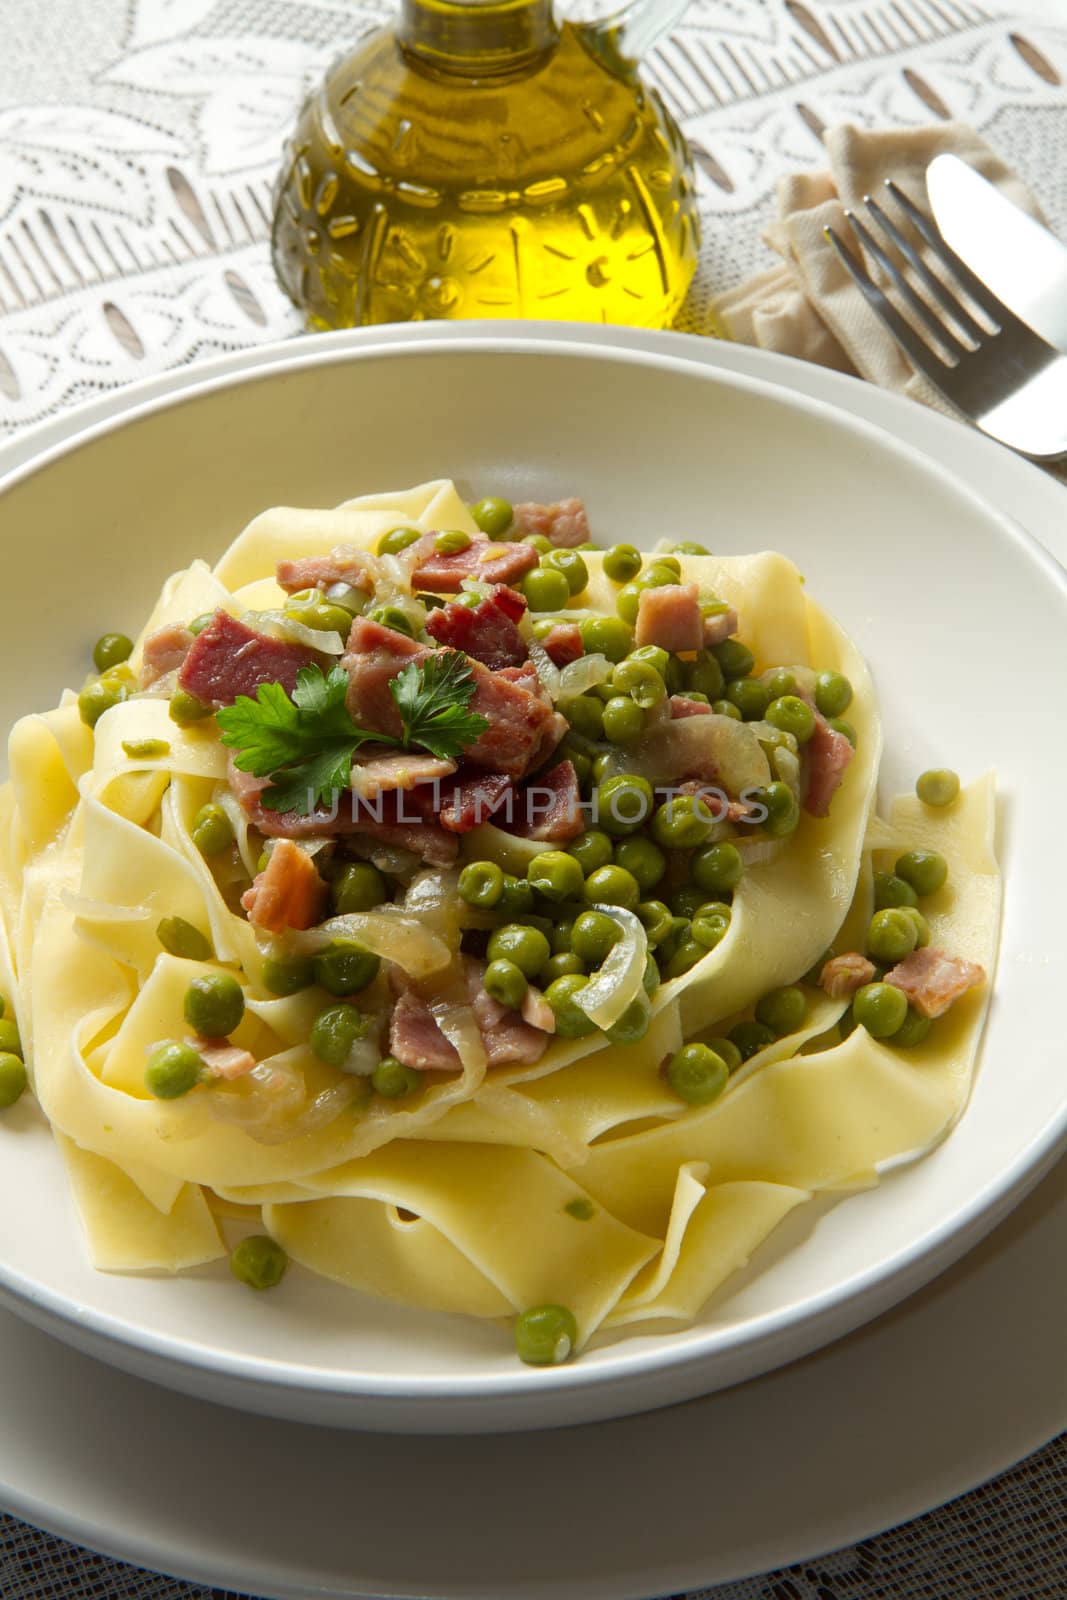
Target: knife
1020 260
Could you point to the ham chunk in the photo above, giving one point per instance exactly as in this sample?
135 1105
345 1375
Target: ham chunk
289 893
537 1011
507 1037
225 1061
549 806
417 1041
343 565
164 651
719 626
841 976
472 799
486 631
564 524
402 770
228 659
683 707
826 756
563 643
414 1037
484 559
671 617
932 980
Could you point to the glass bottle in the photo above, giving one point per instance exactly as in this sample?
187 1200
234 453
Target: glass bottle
481 159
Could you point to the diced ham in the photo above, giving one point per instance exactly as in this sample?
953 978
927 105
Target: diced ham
164 651
414 1037
564 524
342 565
841 976
549 806
486 631
288 893
417 1041
507 1037
228 659
523 730
537 1011
719 626
400 770
225 1061
932 980
670 617
826 756
487 1011
563 643
484 559
472 799
681 706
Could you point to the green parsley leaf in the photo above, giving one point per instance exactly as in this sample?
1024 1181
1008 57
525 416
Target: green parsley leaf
432 698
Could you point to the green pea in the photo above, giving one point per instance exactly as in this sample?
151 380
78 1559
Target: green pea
146 749
527 948
344 967
661 574
697 1075
603 766
686 955
172 1069
585 713
681 822
621 563
783 1010
632 1025
925 870
258 1262
641 681
735 658
284 975
780 681
627 601
481 883
399 621
711 924
889 890
847 729
670 562
649 655
591 850
334 1032
199 623
564 965
782 807
556 875
938 786
10 1041
623 719
397 539
593 936
612 886
451 542
687 901
643 859
214 1004
726 708
96 698
466 598
623 803
922 927
393 1080
180 938
111 650
545 589
912 1031
506 982
891 935
728 1050
656 919
792 715
573 568
751 1037
571 1020
212 830
606 636
321 616
358 886
750 696
689 547
545 1336
880 1008
582 764
492 515
704 676
516 897
185 709
833 693
538 542
13 1078
717 867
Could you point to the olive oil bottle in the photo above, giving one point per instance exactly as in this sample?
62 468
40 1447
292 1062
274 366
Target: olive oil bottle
481 160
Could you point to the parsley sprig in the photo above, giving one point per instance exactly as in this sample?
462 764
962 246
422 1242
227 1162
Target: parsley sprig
305 743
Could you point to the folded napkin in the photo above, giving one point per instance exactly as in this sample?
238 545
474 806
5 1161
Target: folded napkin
808 306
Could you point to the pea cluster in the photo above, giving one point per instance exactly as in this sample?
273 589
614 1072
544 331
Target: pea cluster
897 928
114 681
12 1066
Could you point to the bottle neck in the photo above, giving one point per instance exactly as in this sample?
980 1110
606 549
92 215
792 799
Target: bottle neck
477 38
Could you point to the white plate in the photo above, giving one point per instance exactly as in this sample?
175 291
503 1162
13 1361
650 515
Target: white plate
950 1388
656 443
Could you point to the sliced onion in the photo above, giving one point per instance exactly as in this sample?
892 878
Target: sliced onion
225 797
716 750
787 767
280 625
756 851
620 979
510 851
582 675
347 597
547 671
390 932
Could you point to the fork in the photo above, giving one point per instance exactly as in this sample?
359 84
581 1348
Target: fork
1009 381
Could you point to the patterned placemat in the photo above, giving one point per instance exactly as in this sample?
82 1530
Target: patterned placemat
138 143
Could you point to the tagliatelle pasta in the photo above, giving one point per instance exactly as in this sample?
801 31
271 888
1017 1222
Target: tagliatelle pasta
536 1154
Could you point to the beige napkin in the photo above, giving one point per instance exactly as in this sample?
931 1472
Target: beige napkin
808 306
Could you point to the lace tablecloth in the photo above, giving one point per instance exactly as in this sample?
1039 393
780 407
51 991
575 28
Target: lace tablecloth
138 142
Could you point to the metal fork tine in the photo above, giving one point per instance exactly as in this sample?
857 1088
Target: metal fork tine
993 308
959 313
904 288
914 347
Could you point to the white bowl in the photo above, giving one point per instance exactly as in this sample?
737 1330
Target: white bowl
939 591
